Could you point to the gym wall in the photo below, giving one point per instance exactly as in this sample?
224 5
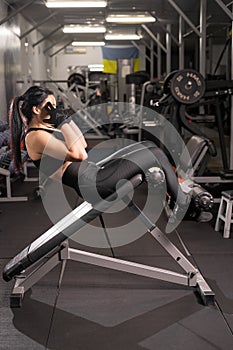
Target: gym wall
34 62
61 61
93 55
16 60
9 61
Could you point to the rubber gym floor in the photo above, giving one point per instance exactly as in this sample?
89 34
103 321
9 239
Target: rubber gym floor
98 308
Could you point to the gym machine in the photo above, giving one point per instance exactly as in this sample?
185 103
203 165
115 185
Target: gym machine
134 82
52 247
187 90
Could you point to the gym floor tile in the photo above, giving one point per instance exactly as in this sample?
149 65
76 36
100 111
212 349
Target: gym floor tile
98 308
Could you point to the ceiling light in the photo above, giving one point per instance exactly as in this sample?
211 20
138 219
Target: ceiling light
26 42
63 4
88 43
84 29
122 37
130 19
96 67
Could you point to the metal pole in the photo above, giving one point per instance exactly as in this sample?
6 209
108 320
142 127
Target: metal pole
168 46
167 31
152 60
52 45
63 47
202 40
225 9
141 51
230 15
148 47
159 57
154 38
198 27
181 43
181 13
37 25
15 12
231 122
47 36
210 48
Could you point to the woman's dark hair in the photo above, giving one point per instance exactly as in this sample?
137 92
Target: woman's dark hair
19 116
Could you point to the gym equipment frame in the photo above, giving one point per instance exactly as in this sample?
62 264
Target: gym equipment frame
52 248
9 197
187 87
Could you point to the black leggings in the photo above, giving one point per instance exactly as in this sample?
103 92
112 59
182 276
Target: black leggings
89 179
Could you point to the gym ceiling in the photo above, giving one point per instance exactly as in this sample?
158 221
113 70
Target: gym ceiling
49 22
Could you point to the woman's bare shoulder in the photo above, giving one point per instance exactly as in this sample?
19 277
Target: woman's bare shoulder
38 136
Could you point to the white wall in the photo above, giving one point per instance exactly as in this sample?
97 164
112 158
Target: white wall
60 62
9 61
34 62
17 61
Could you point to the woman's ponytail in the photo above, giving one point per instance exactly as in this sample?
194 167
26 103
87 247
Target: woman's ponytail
16 130
21 115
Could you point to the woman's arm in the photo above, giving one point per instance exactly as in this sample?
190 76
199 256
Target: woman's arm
78 132
74 141
40 142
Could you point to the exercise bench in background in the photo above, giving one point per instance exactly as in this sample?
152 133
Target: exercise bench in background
7 173
225 213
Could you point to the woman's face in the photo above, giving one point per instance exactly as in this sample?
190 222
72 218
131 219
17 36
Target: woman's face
44 113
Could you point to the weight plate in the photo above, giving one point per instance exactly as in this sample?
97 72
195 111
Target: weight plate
187 86
77 79
167 83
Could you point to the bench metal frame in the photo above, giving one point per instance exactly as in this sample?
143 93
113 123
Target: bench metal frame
191 276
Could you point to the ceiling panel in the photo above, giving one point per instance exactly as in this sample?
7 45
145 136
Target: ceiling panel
37 12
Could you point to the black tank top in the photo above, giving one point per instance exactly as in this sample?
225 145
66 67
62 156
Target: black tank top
47 164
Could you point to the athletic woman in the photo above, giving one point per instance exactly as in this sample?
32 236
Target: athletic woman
53 139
